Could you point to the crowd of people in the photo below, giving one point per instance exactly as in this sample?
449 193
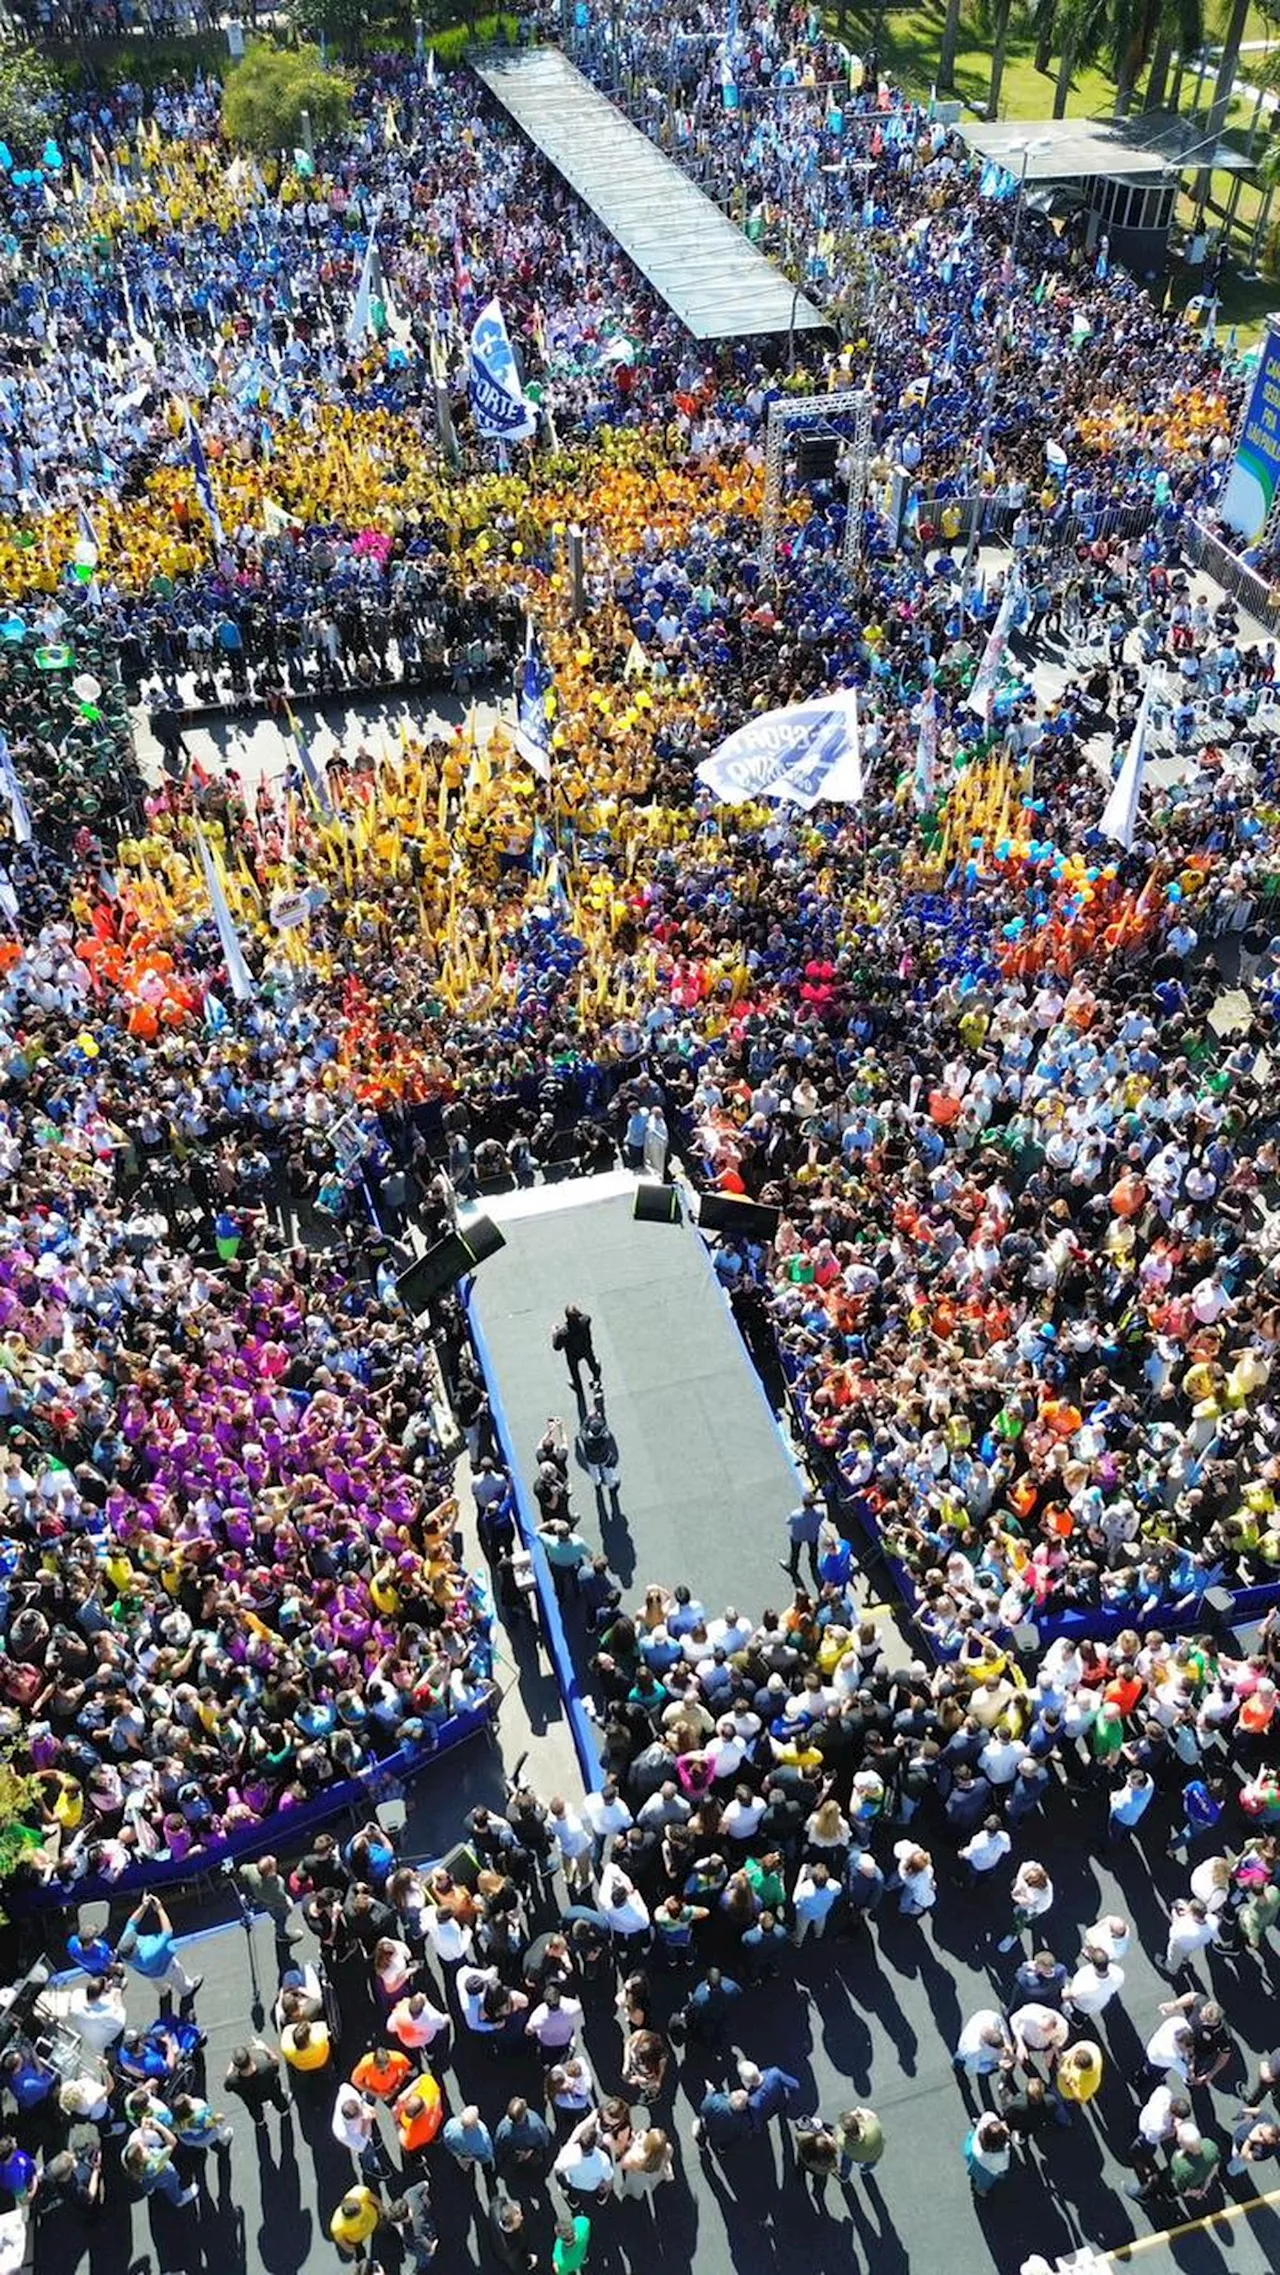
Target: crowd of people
533 2014
978 1058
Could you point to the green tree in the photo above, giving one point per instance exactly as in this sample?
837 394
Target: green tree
30 99
19 1802
354 27
266 94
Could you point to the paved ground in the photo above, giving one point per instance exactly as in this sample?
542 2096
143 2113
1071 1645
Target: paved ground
873 2021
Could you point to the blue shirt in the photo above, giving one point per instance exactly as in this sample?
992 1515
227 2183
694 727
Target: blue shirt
770 2097
150 1954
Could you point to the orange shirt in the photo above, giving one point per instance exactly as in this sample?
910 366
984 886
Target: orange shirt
383 2078
418 2128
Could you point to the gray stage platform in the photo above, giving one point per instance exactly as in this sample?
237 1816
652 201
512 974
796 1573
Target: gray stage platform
706 1480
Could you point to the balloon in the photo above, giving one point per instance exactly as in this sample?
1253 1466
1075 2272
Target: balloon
13 628
87 687
84 551
83 572
1175 892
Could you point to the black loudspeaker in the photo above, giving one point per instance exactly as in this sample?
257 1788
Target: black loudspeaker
657 1204
481 1238
448 1262
816 458
739 1219
1218 1606
463 1865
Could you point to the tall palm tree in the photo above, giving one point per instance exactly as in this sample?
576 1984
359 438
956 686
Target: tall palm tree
1130 34
1228 69
999 46
1045 20
950 42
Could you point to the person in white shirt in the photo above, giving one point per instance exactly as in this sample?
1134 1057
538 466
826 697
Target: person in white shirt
621 1902
449 1938
606 1815
1161 2115
96 2013
1171 2047
1191 1928
1112 1935
732 1633
914 1878
584 2165
1038 2030
1032 1897
999 1759
1096 1981
415 2022
813 1899
742 1815
984 2044
573 1840
556 2022
989 1847
355 2127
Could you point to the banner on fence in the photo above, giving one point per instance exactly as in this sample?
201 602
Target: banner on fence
1255 475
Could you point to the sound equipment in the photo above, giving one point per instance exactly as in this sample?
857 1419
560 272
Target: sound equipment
657 1204
816 457
448 1262
736 1218
1218 1606
481 1238
463 1865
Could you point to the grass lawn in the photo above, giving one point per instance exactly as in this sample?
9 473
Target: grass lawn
910 39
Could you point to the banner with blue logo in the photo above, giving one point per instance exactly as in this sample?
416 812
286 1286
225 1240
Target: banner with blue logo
1252 484
498 403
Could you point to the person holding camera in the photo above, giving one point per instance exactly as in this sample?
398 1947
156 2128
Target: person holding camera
148 1946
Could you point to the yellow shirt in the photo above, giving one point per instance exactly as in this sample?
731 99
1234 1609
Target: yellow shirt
355 2225
1078 2080
311 2056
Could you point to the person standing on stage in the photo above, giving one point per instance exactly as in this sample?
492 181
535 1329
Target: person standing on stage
804 1530
573 1336
599 1448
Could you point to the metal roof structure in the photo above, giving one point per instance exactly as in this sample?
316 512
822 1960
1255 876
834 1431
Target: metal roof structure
718 285
1077 149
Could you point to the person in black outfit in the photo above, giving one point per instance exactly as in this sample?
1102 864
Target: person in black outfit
254 2078
573 1337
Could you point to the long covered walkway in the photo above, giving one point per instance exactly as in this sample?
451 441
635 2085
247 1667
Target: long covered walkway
718 285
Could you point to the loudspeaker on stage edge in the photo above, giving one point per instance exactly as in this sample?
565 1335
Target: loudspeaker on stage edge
656 1204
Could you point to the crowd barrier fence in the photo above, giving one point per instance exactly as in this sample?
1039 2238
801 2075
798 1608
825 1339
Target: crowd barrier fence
1255 592
357 1794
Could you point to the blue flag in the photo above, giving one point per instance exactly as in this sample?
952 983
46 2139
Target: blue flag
498 403
533 721
204 486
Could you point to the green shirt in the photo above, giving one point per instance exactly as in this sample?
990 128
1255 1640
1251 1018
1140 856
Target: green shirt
1193 2168
567 2258
866 2146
